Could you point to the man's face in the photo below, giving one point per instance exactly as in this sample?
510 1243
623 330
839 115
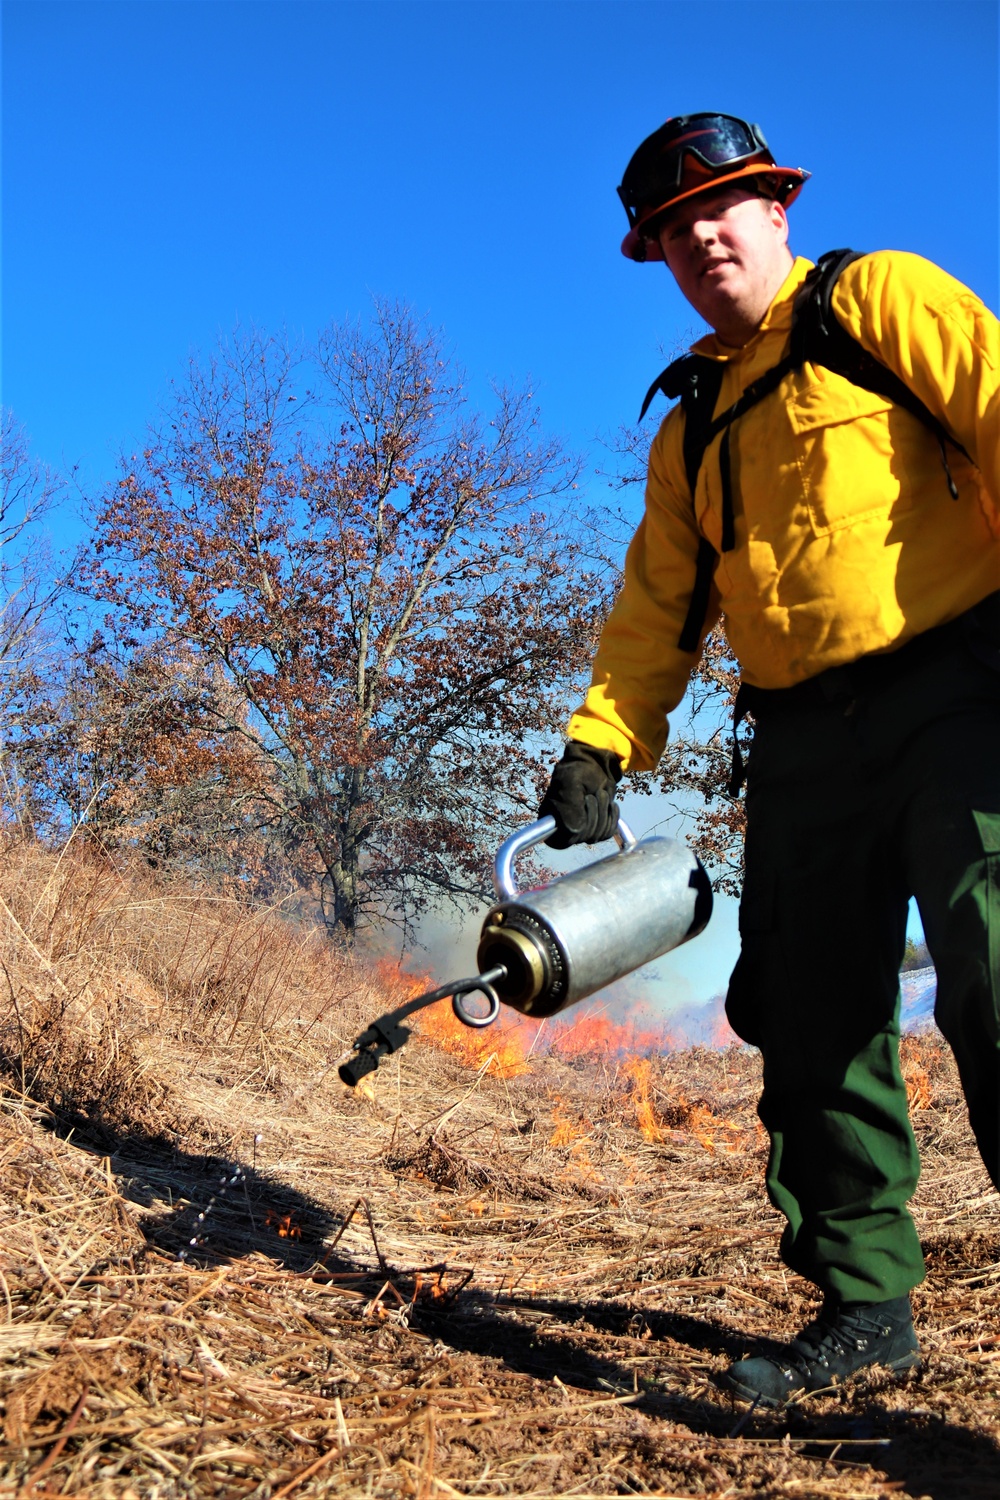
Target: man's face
728 251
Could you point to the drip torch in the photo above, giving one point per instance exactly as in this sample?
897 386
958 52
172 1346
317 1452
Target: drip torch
543 950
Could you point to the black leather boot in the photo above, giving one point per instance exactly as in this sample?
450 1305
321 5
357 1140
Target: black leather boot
829 1351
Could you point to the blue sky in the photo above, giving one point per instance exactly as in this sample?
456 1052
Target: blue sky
169 168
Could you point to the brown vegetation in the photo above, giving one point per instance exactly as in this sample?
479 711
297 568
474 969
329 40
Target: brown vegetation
225 1275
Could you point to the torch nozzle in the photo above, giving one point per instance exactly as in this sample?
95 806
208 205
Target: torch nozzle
386 1035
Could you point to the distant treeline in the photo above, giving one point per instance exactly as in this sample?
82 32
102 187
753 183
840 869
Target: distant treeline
916 956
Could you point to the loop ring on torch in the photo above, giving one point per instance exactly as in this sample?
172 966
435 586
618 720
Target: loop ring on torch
469 1020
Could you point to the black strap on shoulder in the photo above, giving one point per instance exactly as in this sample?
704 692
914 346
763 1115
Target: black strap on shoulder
675 379
818 336
763 386
703 381
696 380
697 611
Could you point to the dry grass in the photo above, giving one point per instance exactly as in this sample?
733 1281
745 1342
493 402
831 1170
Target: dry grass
225 1275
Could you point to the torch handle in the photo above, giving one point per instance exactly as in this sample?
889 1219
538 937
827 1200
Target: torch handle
504 881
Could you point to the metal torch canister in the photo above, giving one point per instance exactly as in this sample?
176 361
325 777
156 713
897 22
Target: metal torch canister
586 929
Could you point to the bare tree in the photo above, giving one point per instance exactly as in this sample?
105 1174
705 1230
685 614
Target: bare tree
387 589
115 743
27 586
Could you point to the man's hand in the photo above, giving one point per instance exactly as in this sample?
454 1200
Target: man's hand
581 796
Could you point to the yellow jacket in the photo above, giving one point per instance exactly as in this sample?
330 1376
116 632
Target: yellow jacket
847 540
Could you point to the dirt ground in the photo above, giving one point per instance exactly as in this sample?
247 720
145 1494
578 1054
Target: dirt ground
224 1274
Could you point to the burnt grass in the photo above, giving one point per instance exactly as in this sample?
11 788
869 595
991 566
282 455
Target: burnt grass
382 1304
234 1277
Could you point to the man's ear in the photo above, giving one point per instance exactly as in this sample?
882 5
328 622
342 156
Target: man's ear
779 220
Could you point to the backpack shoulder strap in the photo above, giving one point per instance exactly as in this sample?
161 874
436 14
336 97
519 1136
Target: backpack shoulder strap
696 380
674 380
818 336
814 325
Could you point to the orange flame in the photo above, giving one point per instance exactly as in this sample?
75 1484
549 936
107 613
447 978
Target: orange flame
917 1056
433 1289
592 1034
573 1131
637 1071
679 1116
501 1049
722 1034
284 1223
585 1033
566 1130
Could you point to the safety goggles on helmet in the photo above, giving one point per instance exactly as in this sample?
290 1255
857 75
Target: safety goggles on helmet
687 155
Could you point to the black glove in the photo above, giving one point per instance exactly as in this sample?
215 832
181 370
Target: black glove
581 796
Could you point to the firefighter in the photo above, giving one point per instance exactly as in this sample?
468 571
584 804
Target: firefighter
829 483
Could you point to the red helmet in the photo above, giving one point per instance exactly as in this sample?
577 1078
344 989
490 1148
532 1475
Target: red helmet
687 155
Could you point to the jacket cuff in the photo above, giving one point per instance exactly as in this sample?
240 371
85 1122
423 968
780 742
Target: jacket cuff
600 735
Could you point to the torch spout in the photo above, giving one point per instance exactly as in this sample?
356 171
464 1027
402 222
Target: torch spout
386 1035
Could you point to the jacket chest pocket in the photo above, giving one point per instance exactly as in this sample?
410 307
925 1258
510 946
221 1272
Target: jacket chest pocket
854 451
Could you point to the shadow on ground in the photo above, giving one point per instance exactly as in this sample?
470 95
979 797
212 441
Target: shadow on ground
212 1210
207 1208
927 1455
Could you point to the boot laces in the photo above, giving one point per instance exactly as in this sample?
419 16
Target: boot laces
843 1333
